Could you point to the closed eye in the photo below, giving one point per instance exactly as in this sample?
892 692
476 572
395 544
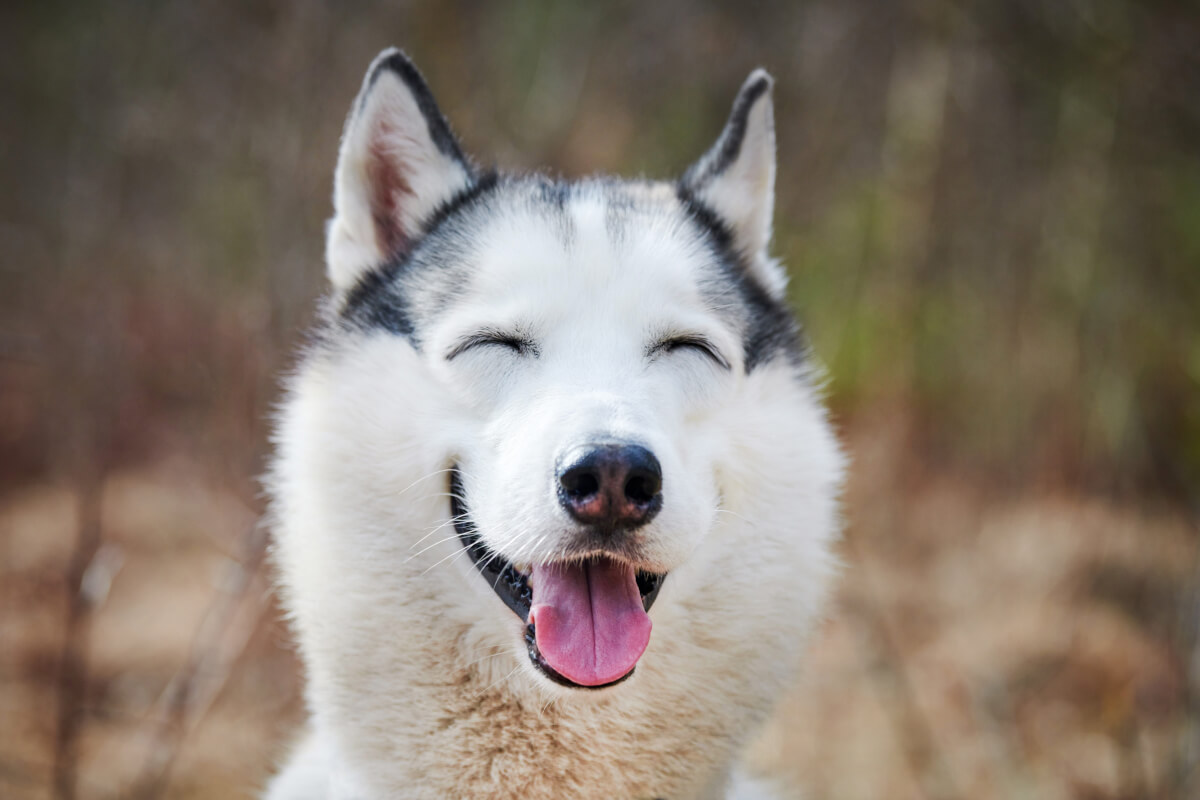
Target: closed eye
520 344
690 341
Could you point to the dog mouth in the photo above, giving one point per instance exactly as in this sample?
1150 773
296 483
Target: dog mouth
586 618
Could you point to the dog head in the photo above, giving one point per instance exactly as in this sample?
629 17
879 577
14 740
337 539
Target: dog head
575 362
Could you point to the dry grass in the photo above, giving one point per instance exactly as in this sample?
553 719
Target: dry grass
979 646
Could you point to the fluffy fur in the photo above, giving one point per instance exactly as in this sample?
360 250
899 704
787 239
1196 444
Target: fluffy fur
419 682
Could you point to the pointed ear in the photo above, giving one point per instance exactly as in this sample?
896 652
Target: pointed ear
398 163
736 177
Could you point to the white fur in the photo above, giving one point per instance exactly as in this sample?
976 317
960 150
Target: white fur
418 679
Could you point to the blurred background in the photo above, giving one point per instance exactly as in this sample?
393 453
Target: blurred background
991 214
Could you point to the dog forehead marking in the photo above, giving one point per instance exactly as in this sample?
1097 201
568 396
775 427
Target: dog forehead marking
531 232
596 250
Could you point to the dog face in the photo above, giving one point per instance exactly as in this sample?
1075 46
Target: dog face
572 359
589 361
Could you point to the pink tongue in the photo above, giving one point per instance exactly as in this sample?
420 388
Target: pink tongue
588 619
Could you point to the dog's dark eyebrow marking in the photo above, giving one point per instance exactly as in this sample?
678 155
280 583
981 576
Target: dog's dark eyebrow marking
521 343
770 326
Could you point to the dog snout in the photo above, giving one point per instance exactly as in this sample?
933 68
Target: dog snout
611 485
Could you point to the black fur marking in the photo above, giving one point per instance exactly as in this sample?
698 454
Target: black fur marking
376 302
708 220
484 185
554 195
770 327
729 145
443 138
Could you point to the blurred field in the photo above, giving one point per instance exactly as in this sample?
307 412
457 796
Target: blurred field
991 213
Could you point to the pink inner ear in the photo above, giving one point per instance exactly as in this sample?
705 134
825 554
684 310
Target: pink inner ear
389 191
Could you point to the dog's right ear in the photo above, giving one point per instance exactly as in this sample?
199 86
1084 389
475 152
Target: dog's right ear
398 163
735 179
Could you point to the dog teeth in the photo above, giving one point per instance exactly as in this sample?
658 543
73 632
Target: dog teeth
523 568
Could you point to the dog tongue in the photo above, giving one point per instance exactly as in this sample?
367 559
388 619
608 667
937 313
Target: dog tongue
588 619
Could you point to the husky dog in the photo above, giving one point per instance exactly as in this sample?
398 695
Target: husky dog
555 492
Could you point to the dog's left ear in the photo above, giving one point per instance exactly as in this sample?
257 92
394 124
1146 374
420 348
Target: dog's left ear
735 179
398 163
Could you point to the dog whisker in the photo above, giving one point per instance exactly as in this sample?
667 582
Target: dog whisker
451 558
442 526
429 547
733 514
496 683
423 479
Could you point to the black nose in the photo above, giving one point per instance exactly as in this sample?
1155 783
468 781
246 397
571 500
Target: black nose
616 485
